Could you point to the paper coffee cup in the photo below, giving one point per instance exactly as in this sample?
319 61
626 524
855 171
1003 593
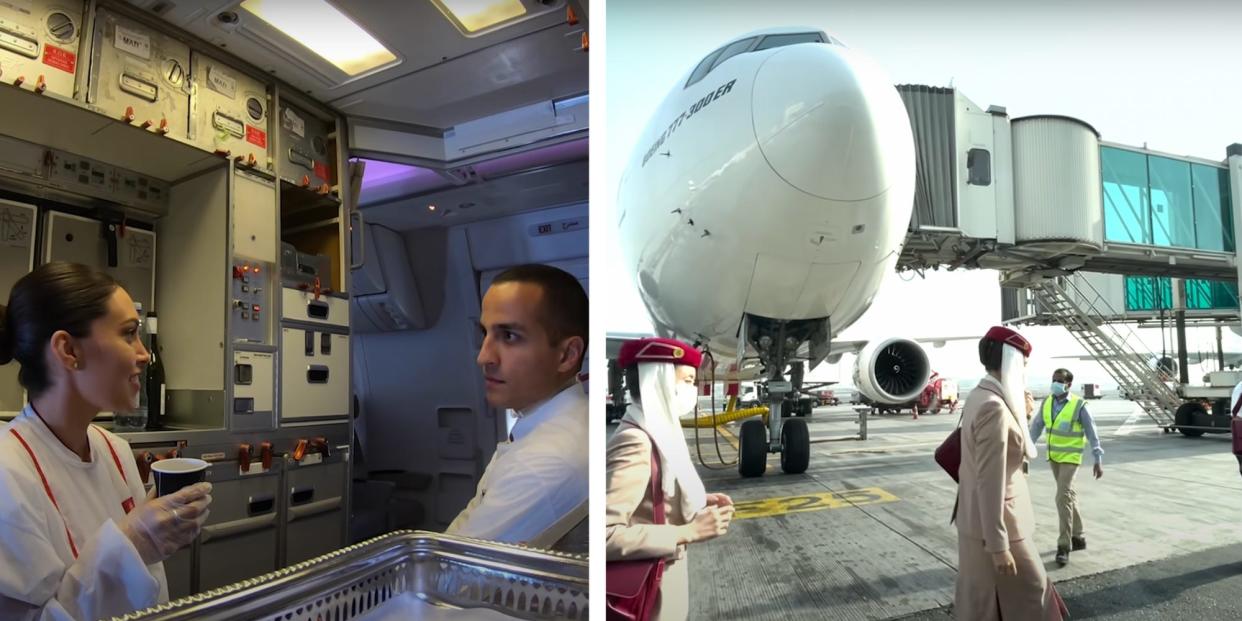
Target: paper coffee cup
174 474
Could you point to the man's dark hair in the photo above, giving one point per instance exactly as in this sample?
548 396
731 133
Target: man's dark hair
990 354
1069 377
564 313
55 296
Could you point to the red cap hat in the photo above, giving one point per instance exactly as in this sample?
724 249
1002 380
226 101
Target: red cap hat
656 349
1009 337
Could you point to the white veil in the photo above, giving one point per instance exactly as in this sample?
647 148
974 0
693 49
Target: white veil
655 416
1013 384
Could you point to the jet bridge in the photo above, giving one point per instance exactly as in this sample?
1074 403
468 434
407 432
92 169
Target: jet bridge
1086 234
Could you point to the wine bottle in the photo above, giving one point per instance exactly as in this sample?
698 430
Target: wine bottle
154 378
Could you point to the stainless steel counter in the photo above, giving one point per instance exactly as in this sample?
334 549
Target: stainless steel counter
410 574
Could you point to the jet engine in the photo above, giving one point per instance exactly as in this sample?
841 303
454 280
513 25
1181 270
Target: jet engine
892 370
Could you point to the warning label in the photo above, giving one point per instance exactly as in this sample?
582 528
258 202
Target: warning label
59 58
256 137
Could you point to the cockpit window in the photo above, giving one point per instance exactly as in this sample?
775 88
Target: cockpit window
782 40
717 57
704 67
714 59
731 50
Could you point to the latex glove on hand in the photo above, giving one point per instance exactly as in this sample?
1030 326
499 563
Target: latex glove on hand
161 526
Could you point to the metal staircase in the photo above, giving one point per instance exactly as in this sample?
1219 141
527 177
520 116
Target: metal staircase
1114 349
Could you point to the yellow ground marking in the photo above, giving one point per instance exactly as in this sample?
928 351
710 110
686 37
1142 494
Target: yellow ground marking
728 435
769 507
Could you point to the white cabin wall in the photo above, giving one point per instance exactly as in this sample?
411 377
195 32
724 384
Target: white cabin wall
424 408
423 396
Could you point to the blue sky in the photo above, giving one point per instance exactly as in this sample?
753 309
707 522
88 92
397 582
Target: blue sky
1159 74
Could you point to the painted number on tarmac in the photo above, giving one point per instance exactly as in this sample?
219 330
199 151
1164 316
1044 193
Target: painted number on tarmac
769 507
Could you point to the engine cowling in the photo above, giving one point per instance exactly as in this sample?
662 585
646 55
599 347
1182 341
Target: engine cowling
892 370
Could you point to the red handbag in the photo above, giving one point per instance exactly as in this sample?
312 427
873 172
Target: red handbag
1062 609
634 586
949 453
949 456
1235 425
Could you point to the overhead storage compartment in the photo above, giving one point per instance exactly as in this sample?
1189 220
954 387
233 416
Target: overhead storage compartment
543 236
39 42
140 75
385 293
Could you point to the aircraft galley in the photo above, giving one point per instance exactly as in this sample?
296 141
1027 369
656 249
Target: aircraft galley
265 263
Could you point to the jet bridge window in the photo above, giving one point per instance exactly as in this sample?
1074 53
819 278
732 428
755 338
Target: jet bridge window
782 40
979 167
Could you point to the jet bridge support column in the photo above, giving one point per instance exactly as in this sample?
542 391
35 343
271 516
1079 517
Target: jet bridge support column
1179 313
1220 350
1234 159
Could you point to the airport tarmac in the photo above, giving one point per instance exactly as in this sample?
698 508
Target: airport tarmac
865 533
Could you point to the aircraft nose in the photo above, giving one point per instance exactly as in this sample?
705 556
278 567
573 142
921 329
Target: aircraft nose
830 123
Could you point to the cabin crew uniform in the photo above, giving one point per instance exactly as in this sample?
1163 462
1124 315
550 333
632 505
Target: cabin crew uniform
68 559
1070 429
533 482
994 514
630 519
650 429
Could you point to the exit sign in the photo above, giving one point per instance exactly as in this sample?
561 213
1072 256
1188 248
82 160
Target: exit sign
567 225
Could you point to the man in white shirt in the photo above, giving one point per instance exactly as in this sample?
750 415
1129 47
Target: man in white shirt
535 489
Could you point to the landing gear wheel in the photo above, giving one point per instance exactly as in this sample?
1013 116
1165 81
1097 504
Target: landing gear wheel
933 406
752 457
1185 415
796 454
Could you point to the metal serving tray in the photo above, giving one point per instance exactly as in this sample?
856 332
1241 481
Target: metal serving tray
401 575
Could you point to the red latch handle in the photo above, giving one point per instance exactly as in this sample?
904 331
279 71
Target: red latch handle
299 451
321 445
144 459
265 453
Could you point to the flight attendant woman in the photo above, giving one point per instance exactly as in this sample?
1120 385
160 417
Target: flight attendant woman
78 538
660 373
1000 574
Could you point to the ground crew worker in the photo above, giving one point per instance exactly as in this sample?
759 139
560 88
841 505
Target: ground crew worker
1070 428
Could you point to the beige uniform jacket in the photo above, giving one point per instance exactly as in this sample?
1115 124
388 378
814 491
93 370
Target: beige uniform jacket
631 533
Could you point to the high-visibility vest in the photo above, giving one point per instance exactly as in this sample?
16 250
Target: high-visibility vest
1066 438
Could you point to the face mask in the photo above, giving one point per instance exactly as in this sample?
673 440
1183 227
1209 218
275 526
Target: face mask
1058 388
685 399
